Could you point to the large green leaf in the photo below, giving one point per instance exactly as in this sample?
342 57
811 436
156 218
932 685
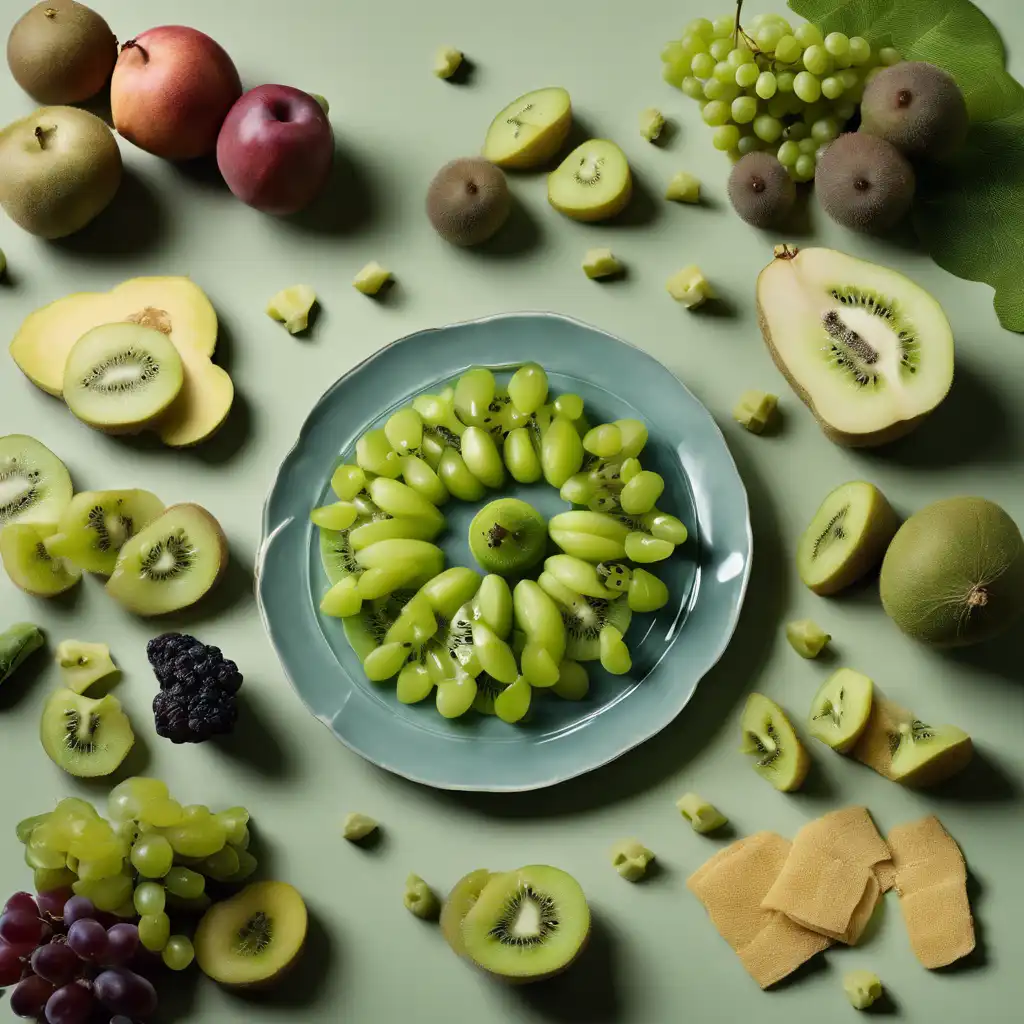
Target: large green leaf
970 211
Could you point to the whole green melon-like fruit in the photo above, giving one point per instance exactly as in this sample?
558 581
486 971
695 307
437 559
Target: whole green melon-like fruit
954 573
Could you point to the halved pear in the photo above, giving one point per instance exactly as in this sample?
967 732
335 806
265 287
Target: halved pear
530 130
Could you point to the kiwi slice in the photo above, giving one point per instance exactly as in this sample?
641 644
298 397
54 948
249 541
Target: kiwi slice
367 631
468 201
97 524
841 709
768 735
847 537
585 617
122 377
35 486
530 130
254 937
337 555
527 925
171 563
30 566
592 183
460 901
87 738
508 537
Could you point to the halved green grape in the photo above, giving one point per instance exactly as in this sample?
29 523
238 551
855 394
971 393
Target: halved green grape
578 575
152 856
457 478
715 113
642 548
448 591
455 696
646 592
493 605
615 656
414 683
578 489
419 475
641 492
404 430
725 137
348 481
634 437
154 931
338 516
178 953
561 451
150 898
395 528
604 441
386 661
513 703
573 681
521 457
474 392
665 527
375 454
400 500
528 388
482 458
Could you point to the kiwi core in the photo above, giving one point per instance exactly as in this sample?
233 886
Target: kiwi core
528 919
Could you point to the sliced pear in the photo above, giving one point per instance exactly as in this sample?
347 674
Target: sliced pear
530 130
592 183
841 709
768 735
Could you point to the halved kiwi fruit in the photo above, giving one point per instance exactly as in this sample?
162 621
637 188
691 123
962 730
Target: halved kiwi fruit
253 938
530 130
585 617
527 925
592 183
847 537
508 537
841 709
769 737
97 524
35 486
170 564
460 901
87 738
30 566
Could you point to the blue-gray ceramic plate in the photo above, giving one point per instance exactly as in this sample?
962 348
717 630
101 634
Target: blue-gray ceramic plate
672 649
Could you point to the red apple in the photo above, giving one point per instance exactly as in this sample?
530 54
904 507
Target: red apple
275 149
171 90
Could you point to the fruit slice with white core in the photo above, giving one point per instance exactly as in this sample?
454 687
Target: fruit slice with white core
806 637
35 486
592 183
82 664
865 348
170 564
847 537
599 263
87 738
459 902
371 278
841 709
586 619
769 737
690 287
292 307
702 816
30 566
530 130
97 524
122 377
528 924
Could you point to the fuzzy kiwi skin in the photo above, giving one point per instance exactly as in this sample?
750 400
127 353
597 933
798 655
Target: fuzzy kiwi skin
774 202
468 201
952 546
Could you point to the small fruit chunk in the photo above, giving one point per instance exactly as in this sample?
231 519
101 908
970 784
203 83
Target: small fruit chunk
254 937
768 735
631 858
530 130
447 60
683 188
917 107
841 709
420 900
357 826
862 988
87 738
652 123
82 664
36 486
806 637
761 190
755 411
598 263
468 201
592 183
371 278
17 643
460 900
690 287
867 350
954 573
847 537
292 306
30 566
702 816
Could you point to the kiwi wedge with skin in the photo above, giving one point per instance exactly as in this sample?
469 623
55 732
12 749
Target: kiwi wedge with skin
841 709
121 378
87 738
30 566
35 486
252 939
527 925
530 130
593 183
771 739
846 539
171 564
508 537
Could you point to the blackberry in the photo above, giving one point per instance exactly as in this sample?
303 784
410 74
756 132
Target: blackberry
181 660
193 716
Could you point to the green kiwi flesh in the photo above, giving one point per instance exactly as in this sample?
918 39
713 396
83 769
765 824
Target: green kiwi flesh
769 737
87 738
508 537
366 631
459 902
18 643
35 486
841 709
170 564
585 617
30 566
847 537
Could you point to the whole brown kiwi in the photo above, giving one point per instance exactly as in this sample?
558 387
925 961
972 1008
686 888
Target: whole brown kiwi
61 52
468 201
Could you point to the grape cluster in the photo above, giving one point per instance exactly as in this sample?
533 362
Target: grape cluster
771 87
68 964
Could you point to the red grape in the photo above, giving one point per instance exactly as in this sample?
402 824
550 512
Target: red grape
72 1004
20 927
21 901
123 942
12 966
52 903
56 963
78 908
31 995
121 991
89 940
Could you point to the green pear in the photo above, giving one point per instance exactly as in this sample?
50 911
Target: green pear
59 167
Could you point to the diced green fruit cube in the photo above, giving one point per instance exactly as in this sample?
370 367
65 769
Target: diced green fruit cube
631 858
683 188
701 815
600 263
863 988
292 306
690 287
447 61
755 410
371 278
652 123
807 638
420 899
357 826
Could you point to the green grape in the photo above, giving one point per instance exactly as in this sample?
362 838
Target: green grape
404 430
457 478
568 405
672 52
348 481
889 55
766 85
640 547
339 515
94 870
641 493
528 388
724 72
692 87
152 856
455 696
415 624
768 36
837 44
127 797
450 590
808 146
796 131
178 953
674 74
107 894
816 60
715 113
703 65
203 835
825 130
744 109
521 457
604 441
385 661
842 62
725 137
401 501
803 169
844 111
747 75
721 48
512 704
474 392
495 656
577 490
48 879
860 50
691 43
665 527
700 27
784 80
778 106
614 653
832 87
723 27
788 49
482 458
343 600
767 128
725 91
561 451
634 437
41 857
222 865
154 931
808 34
573 682
184 882
414 683
646 592
747 144
789 153
494 605
375 454
422 479
150 898
849 78
807 87
739 56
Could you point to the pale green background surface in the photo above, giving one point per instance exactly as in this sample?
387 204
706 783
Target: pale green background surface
655 958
